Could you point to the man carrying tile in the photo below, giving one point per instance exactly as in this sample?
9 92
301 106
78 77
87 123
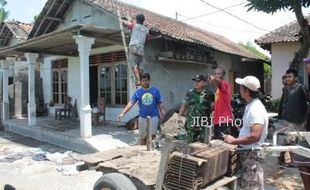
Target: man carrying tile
136 46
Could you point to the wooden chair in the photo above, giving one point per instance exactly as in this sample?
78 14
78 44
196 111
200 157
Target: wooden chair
99 110
66 111
41 109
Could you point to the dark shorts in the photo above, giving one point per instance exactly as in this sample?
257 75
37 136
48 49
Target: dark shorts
135 60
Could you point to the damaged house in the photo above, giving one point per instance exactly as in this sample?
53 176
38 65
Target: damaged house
76 48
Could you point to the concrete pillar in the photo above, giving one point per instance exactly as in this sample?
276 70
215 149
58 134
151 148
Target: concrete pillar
31 61
84 47
5 86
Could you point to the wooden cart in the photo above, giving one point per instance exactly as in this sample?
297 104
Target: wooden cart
135 168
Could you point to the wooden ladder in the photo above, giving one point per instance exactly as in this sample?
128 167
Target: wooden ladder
130 70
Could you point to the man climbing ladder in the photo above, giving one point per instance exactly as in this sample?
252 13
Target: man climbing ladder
136 46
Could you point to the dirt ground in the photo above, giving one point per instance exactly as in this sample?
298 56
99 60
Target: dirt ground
280 178
25 174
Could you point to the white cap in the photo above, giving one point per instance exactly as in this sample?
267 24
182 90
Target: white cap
250 82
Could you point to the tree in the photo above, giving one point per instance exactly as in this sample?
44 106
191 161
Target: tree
35 18
272 6
3 13
267 68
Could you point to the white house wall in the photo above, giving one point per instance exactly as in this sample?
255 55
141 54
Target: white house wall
84 13
20 65
46 75
282 55
74 80
173 79
74 85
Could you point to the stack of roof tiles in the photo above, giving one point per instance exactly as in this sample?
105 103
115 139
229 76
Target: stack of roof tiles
232 167
195 167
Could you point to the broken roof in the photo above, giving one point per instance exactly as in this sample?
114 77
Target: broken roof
14 28
54 11
286 33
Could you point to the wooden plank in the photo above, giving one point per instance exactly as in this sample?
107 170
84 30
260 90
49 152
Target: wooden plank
164 164
222 182
54 19
148 134
96 158
57 12
142 166
43 20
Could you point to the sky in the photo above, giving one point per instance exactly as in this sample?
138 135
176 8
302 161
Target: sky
218 22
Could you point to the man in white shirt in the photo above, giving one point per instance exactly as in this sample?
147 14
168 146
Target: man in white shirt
253 133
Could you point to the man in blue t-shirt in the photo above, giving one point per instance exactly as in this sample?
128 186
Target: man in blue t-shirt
150 104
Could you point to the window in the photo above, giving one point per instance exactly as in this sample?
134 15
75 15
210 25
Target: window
60 80
121 84
113 83
105 84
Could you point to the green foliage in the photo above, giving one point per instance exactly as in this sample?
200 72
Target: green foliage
267 68
249 46
273 105
3 3
35 18
272 6
267 71
3 13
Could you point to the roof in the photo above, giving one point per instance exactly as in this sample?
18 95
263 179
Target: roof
14 28
62 42
167 27
286 33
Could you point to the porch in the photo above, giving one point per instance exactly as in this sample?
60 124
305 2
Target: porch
66 134
76 43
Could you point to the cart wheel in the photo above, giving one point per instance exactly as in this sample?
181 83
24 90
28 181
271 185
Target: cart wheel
114 181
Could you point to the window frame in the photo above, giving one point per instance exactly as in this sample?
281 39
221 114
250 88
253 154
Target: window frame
59 66
113 67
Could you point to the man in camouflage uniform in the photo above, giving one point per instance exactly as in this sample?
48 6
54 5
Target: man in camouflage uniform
197 103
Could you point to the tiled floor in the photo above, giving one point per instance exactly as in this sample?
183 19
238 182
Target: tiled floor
105 136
